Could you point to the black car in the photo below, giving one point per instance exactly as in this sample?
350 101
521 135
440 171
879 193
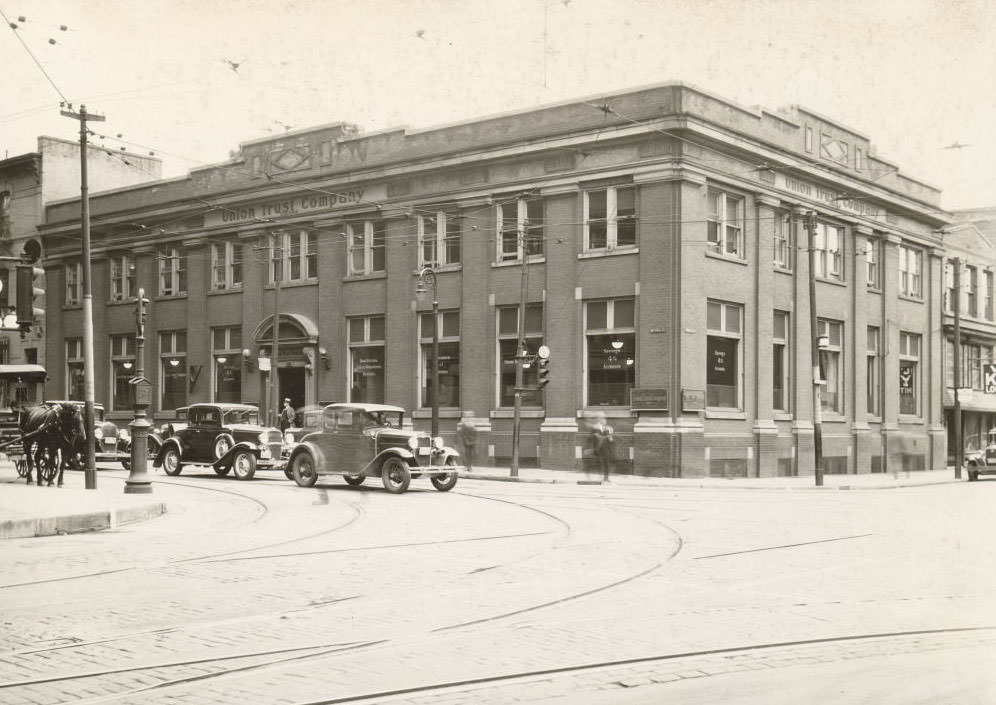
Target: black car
226 437
362 440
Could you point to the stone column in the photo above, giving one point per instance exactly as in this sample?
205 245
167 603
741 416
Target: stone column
892 445
802 340
765 431
933 356
862 448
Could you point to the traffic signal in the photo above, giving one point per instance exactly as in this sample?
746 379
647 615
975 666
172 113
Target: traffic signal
30 302
542 372
141 311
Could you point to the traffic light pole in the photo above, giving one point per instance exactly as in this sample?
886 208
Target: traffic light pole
139 481
90 466
520 352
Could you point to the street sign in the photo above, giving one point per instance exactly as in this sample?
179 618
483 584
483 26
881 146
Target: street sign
989 371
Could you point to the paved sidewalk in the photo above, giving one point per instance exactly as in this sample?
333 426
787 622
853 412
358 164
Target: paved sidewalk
30 510
875 481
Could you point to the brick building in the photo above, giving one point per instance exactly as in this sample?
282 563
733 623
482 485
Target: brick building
667 269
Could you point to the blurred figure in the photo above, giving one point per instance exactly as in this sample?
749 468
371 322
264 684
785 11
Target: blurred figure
287 415
467 438
603 443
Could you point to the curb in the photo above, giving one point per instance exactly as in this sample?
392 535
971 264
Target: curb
79 523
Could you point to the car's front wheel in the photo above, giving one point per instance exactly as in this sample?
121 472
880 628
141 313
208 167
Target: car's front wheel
303 470
395 475
445 483
171 461
244 465
152 450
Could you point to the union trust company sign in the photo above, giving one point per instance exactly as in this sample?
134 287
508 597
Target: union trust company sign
312 203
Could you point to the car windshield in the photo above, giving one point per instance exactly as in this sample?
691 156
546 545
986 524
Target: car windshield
389 419
241 416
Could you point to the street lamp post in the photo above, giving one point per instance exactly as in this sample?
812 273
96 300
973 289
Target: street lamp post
427 276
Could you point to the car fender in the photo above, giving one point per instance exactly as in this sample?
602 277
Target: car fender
395 452
313 449
168 443
226 460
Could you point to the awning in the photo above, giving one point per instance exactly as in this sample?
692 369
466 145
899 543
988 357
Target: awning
25 373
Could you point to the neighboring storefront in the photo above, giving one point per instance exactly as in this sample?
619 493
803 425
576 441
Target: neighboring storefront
660 236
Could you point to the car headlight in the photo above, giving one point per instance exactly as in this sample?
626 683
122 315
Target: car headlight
261 438
413 442
288 437
437 442
123 434
98 433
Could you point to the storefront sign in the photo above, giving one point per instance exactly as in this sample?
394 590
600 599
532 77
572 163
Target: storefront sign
837 199
905 380
311 203
989 370
648 399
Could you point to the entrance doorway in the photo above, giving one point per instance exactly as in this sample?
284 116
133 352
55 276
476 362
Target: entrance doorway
291 382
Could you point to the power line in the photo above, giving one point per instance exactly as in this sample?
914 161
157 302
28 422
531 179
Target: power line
13 28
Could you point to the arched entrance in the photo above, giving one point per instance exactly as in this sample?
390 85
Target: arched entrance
291 373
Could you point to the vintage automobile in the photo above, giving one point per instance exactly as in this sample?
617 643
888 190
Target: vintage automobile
111 442
226 437
982 462
358 441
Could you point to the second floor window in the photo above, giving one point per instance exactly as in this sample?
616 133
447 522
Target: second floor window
780 361
226 265
366 247
783 243
520 229
725 223
987 295
172 271
75 374
828 245
610 218
122 277
873 278
74 285
294 256
438 239
910 266
873 375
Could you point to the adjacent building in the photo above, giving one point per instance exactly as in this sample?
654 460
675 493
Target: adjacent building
27 183
659 235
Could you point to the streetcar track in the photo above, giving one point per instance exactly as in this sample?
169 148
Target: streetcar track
782 546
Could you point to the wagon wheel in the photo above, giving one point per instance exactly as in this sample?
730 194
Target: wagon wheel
21 465
47 464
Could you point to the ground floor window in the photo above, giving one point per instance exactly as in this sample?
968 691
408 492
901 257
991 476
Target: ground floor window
448 362
909 373
610 351
122 371
780 375
366 359
873 374
724 326
508 337
172 369
831 335
226 346
75 373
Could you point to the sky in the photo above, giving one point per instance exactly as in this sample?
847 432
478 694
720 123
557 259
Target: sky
191 79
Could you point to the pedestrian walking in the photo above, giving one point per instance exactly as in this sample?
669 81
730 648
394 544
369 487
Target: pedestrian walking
287 415
467 438
603 443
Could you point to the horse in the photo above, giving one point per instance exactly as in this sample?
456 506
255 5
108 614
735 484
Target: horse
51 434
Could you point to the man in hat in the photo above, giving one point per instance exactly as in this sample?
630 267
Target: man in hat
287 415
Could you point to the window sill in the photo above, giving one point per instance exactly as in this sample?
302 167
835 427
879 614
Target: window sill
534 412
833 282
449 267
832 417
726 258
358 277
535 259
292 284
782 416
732 414
222 292
914 299
910 418
783 270
595 254
119 302
169 297
611 412
447 413
873 288
75 305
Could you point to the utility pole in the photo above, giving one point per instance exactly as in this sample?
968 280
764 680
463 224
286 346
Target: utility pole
90 466
278 262
814 335
956 420
520 349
